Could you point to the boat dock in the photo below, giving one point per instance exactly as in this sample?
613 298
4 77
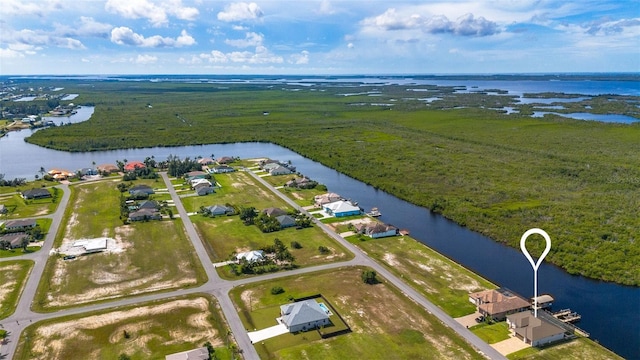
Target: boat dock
567 316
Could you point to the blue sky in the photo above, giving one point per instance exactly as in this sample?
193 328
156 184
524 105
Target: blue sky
318 36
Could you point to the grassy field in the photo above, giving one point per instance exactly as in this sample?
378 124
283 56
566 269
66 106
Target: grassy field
131 269
144 331
442 281
493 333
14 275
579 349
494 173
382 320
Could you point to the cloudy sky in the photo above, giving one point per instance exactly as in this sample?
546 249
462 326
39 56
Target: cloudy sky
318 36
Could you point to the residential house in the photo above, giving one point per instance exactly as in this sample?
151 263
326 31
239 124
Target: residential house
301 183
225 160
499 303
223 169
274 212
198 181
377 230
88 171
279 170
216 210
203 189
145 214
60 174
286 221
205 161
134 165
195 354
36 194
149 204
141 188
19 225
191 175
250 256
107 168
267 166
304 315
15 240
321 200
342 208
534 330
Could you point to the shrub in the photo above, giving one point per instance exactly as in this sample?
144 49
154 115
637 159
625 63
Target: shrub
296 245
323 249
277 290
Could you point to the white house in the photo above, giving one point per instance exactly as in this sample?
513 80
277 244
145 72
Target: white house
341 208
303 315
251 256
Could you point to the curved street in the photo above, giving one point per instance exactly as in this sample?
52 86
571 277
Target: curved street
219 288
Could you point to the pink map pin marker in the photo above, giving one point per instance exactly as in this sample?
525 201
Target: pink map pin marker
535 265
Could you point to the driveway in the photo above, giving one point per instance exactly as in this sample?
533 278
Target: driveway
511 345
267 333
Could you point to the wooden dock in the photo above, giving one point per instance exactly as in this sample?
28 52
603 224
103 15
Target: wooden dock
567 316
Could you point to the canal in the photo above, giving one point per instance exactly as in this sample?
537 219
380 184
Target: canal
610 312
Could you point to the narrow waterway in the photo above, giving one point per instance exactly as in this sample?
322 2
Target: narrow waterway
609 312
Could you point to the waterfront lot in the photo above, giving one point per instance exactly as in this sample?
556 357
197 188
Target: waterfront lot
226 235
579 349
438 278
144 331
382 320
14 275
131 268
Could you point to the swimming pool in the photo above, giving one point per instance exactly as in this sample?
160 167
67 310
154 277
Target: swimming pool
325 308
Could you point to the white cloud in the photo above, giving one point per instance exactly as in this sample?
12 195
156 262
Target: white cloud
10 54
30 40
261 55
326 8
20 7
240 11
466 25
87 26
157 15
251 39
350 45
125 36
144 59
299 59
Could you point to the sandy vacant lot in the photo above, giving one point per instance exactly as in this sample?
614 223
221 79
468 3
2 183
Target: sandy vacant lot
151 330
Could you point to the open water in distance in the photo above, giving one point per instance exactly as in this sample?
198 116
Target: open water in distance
610 312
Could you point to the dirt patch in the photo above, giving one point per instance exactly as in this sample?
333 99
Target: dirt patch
52 340
9 281
246 298
297 196
390 259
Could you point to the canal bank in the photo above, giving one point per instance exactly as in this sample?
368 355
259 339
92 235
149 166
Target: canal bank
607 308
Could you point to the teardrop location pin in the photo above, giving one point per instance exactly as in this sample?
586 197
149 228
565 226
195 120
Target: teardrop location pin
535 265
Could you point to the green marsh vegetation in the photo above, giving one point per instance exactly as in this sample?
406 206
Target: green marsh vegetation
494 173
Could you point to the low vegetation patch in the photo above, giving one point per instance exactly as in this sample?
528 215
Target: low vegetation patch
93 212
144 331
14 275
579 349
382 320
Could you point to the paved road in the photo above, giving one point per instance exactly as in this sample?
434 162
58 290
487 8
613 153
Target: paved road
215 285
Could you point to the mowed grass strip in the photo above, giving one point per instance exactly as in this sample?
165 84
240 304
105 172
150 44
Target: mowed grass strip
151 256
578 349
144 331
14 275
384 322
441 280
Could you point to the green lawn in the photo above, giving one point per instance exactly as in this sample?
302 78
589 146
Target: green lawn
441 280
143 331
94 212
14 275
383 321
579 349
493 333
20 208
